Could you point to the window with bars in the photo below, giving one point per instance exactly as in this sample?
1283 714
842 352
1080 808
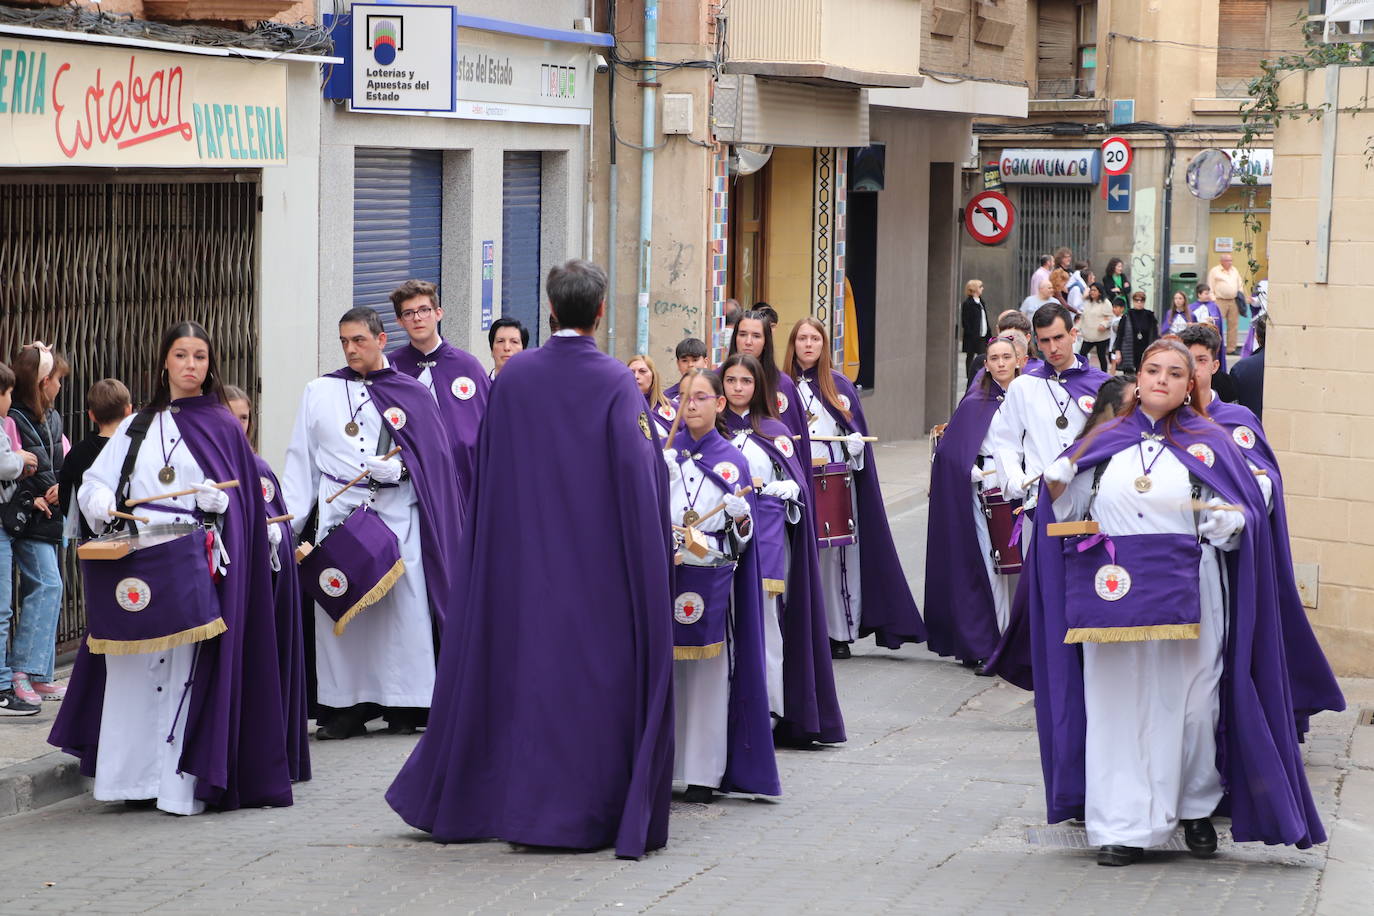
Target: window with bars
1049 217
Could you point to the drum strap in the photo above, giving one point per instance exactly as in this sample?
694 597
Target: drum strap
137 432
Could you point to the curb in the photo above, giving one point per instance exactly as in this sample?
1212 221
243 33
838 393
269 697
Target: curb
43 781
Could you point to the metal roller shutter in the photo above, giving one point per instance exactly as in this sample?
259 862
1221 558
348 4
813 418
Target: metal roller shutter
397 226
520 240
1050 217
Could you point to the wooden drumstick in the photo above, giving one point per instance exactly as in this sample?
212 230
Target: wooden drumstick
682 395
348 486
1199 506
742 491
1260 472
281 518
133 518
842 438
989 472
224 485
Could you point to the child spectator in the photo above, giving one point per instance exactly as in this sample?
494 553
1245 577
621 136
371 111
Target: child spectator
107 403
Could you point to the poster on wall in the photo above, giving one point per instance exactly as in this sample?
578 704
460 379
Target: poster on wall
68 104
404 57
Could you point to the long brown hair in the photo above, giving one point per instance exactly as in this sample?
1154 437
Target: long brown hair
655 393
825 381
1170 424
763 405
33 365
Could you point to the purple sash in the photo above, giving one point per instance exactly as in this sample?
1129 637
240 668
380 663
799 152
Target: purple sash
155 598
1131 588
353 567
701 609
770 541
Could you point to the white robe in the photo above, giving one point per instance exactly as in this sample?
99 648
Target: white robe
1152 707
143 693
1003 586
386 655
839 565
701 687
1023 434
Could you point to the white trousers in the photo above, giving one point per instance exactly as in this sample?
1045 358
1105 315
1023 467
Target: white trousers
772 644
840 584
1003 586
701 703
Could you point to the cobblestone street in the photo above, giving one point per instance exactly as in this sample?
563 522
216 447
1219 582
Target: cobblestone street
934 805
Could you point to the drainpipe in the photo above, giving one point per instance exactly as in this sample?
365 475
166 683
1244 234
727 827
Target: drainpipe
613 206
646 181
1164 299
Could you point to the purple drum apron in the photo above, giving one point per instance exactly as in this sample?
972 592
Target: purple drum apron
1132 588
156 597
770 543
833 489
353 567
701 609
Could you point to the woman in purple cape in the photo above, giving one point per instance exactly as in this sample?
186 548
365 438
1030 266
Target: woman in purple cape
661 410
801 683
754 336
1160 686
967 600
197 720
868 595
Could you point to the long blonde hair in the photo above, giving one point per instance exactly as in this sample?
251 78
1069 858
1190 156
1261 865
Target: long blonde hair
655 394
825 379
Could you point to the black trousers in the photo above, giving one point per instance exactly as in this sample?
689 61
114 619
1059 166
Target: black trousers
1101 347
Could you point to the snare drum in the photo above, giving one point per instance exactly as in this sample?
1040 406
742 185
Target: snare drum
833 487
353 566
1001 516
149 590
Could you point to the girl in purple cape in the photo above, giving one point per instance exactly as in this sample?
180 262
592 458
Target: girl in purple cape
661 410
865 597
754 336
1145 726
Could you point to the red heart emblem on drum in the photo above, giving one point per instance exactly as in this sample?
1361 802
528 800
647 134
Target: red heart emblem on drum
133 595
688 610
1113 583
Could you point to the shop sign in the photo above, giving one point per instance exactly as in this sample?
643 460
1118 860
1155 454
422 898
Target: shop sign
403 57
1050 166
1257 162
513 78
84 105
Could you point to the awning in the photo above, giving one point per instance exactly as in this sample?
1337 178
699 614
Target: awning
749 109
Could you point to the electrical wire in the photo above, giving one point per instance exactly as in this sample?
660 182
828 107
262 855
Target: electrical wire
264 36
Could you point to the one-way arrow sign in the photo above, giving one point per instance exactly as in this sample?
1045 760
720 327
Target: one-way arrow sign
1118 193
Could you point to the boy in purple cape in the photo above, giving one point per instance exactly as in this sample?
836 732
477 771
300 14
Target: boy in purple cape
457 380
552 721
1312 682
1204 309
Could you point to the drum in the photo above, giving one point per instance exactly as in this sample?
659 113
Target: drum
701 609
149 590
352 567
1001 516
833 487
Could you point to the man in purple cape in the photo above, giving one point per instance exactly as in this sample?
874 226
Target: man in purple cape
811 707
235 739
1259 757
552 720
457 380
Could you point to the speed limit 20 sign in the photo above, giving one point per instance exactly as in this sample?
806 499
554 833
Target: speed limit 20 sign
988 217
1116 156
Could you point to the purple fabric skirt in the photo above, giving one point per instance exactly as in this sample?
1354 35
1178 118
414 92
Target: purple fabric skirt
701 609
1132 588
770 542
353 567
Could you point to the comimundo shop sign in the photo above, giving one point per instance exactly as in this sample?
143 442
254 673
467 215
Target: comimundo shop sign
69 104
426 60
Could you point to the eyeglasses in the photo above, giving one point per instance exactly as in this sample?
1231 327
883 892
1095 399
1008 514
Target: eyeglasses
412 314
702 399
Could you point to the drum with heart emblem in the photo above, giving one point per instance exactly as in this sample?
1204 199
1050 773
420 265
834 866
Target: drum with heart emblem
353 567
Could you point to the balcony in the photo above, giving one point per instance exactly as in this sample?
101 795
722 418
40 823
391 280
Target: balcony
843 43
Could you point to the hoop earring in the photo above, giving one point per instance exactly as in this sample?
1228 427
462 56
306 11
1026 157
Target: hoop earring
1187 399
165 380
1137 394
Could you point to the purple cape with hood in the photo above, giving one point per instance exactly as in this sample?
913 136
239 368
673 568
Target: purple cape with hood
960 613
1310 678
1258 755
286 588
552 720
750 764
888 610
811 707
462 414
1218 320
235 737
428 453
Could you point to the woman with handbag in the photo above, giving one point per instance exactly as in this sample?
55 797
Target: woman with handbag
33 520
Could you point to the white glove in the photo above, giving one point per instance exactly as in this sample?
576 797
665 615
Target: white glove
674 471
274 535
105 514
1267 488
1218 526
384 470
976 474
854 443
210 500
1061 471
1016 485
737 507
787 490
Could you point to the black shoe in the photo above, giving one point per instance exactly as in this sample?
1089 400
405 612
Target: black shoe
1119 855
406 720
699 795
970 662
340 728
982 670
11 705
1200 836
140 804
839 649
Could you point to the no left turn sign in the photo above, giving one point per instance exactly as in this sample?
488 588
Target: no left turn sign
989 217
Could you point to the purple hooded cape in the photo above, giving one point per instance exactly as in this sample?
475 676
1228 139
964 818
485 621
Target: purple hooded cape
1219 322
286 589
1258 754
235 738
811 707
750 765
462 415
892 617
960 613
429 455
1310 678
552 720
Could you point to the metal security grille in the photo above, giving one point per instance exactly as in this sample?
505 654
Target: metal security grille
99 266
521 201
1050 217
